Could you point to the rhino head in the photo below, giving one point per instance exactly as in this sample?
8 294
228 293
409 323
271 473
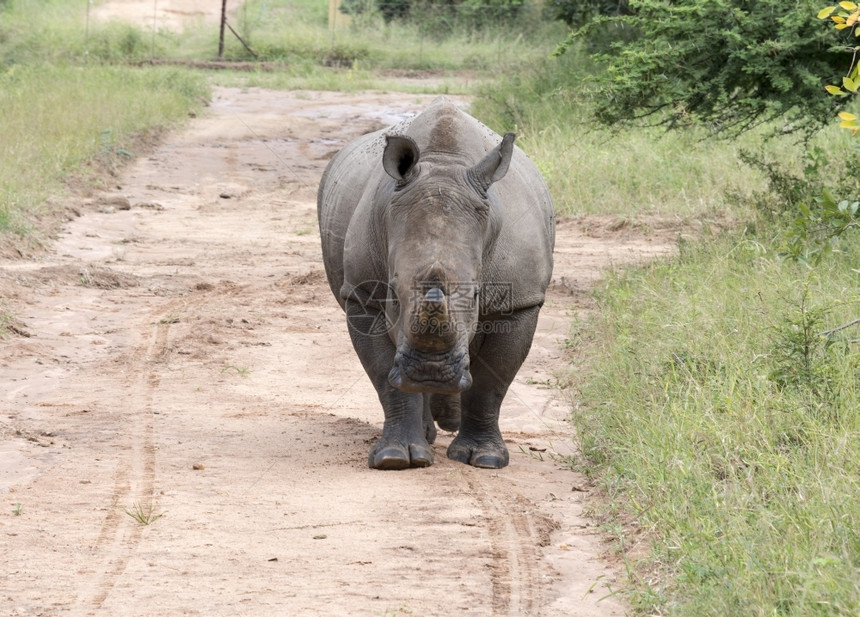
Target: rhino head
439 232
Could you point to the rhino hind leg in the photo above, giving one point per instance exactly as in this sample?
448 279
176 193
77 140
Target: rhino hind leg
445 410
429 424
494 366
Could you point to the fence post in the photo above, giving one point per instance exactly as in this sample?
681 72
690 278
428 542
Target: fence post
154 26
223 23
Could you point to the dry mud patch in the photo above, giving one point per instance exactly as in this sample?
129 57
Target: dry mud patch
184 355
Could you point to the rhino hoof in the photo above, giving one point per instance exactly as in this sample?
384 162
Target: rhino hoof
397 457
488 457
489 461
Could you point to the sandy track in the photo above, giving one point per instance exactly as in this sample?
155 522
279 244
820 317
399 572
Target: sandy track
186 354
162 14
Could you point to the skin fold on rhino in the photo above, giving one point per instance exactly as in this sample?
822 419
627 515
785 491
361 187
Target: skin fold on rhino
437 239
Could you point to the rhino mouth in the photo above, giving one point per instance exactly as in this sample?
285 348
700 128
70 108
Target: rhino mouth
445 372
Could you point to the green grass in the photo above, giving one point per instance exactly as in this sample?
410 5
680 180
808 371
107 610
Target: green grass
5 320
144 515
340 80
724 429
57 118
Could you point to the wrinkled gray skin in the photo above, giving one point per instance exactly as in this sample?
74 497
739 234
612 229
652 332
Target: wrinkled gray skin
437 238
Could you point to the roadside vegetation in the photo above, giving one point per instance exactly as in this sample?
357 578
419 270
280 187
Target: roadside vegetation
717 409
714 393
64 115
61 120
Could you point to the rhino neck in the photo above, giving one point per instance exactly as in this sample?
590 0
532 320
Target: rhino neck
494 229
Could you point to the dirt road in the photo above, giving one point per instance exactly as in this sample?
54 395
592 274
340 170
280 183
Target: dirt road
181 354
172 15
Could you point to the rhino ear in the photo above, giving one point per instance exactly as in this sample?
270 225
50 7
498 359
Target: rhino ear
494 166
399 157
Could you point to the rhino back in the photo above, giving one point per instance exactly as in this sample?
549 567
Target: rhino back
522 260
345 181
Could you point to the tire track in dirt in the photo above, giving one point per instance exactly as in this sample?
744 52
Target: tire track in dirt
135 477
515 540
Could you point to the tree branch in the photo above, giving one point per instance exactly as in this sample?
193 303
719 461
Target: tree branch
829 333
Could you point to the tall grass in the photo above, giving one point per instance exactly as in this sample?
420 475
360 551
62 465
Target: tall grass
724 425
61 31
57 117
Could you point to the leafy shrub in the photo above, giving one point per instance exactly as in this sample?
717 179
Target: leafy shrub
733 65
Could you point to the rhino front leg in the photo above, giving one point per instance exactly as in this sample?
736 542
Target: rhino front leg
497 359
404 441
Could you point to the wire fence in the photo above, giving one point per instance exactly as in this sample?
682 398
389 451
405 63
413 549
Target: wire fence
428 21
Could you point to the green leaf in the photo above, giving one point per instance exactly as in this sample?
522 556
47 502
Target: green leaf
849 84
834 90
825 12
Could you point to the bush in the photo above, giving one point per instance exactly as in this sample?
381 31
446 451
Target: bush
733 65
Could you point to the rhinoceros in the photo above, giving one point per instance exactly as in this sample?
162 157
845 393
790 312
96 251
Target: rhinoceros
437 239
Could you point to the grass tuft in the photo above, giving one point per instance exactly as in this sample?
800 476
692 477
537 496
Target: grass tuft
145 515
